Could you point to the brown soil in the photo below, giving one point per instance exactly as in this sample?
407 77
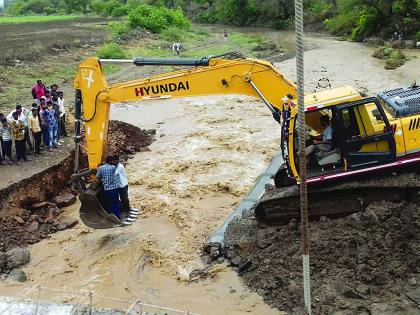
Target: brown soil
366 263
125 139
32 41
16 200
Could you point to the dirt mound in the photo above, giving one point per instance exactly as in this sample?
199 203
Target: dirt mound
126 139
367 263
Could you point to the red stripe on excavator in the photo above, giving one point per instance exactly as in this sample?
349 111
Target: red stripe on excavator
368 169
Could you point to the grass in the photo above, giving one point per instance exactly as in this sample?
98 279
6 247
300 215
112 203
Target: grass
36 18
246 39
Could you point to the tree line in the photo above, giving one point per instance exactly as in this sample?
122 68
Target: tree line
354 19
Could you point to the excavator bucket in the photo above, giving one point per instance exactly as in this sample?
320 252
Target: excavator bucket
93 213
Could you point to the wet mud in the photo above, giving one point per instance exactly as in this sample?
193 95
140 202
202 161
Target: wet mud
364 263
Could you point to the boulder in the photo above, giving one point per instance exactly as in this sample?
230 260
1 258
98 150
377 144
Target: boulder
17 257
18 219
66 223
64 200
348 292
40 205
18 275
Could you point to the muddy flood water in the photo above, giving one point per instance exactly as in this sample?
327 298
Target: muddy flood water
207 154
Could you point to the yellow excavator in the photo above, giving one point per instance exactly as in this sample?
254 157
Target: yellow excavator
369 136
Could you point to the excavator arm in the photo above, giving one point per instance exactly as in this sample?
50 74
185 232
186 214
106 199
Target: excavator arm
206 76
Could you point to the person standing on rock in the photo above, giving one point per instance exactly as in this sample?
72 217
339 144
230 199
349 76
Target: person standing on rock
122 180
106 174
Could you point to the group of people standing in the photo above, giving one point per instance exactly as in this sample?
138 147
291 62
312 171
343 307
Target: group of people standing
45 121
115 183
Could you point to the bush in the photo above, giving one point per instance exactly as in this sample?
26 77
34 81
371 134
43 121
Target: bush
118 28
173 34
393 58
111 51
36 6
418 36
157 19
342 24
119 11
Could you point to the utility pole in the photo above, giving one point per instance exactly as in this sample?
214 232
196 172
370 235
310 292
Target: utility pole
302 155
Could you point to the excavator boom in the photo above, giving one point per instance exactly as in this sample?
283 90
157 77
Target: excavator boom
227 74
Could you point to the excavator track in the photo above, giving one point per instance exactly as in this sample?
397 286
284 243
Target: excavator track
279 205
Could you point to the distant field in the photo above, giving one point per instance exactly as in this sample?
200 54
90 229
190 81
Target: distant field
27 41
36 18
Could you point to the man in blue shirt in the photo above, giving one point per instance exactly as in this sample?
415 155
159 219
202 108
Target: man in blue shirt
106 175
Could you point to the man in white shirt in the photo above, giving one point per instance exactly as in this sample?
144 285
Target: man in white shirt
322 143
62 119
122 181
23 117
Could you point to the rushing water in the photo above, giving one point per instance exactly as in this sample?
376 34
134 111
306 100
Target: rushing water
207 154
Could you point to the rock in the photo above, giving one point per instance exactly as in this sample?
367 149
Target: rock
235 261
263 239
244 266
374 41
213 249
232 291
380 309
414 295
397 43
18 275
362 289
293 287
354 217
323 219
347 292
40 205
17 257
64 200
33 226
371 216
412 282
409 44
262 292
220 259
3 260
66 223
18 219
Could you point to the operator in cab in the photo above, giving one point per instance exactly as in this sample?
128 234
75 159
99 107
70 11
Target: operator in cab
322 143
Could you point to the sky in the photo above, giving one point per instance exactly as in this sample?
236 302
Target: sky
1 3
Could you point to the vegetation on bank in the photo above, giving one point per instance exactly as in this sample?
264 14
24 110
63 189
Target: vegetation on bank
393 58
36 18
